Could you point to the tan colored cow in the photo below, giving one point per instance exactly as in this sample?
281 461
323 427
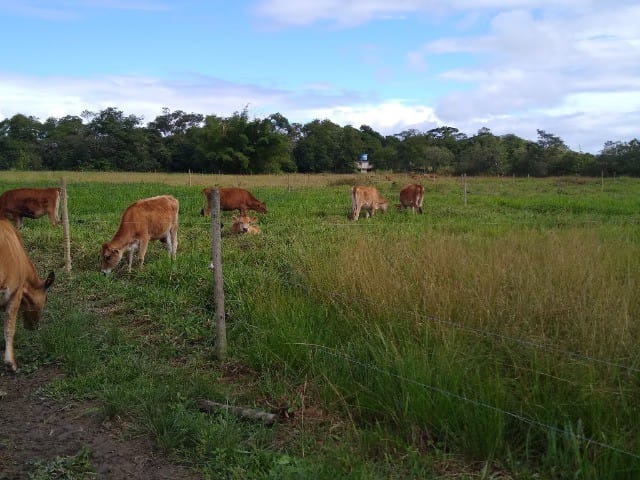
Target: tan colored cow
245 224
412 196
31 203
20 288
154 218
233 199
367 199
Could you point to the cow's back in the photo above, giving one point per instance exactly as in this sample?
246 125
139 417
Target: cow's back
15 266
233 198
151 216
30 203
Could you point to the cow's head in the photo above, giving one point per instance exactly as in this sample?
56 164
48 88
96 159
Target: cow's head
244 224
261 207
383 206
110 258
33 299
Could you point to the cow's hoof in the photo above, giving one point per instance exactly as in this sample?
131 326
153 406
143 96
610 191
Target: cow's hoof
12 367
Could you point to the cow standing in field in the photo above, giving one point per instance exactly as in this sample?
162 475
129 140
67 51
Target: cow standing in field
233 199
412 196
20 288
154 218
367 199
245 224
31 203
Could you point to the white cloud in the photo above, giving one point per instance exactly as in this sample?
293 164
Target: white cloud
387 117
356 12
144 96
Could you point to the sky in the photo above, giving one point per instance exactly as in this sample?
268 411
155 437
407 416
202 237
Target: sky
568 67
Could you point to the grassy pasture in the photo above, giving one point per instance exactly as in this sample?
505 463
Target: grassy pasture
494 339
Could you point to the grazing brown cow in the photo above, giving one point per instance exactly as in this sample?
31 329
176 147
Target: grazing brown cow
154 218
30 203
233 199
20 288
412 196
367 198
245 224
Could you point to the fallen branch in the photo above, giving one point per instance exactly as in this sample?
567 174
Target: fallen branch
208 406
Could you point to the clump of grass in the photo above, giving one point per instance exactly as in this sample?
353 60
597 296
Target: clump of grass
73 467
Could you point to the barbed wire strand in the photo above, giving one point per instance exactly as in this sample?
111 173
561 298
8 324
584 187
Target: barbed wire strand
472 401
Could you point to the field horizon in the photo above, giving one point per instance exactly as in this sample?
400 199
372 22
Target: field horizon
494 336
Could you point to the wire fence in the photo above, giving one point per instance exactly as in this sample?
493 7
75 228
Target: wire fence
477 403
494 335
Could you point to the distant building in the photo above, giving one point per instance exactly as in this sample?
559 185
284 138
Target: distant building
363 163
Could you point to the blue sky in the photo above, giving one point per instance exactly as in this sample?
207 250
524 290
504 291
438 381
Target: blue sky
569 67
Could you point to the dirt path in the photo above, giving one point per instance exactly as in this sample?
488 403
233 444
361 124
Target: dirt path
35 428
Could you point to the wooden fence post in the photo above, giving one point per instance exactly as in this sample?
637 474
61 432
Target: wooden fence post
218 286
464 179
65 225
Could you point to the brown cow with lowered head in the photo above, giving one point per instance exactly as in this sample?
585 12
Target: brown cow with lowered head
233 199
154 218
368 199
31 203
412 196
20 288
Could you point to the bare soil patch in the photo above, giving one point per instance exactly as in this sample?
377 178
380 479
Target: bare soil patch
36 428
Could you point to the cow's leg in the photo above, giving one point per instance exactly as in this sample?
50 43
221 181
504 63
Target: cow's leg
129 259
54 220
10 316
18 220
144 243
355 212
174 241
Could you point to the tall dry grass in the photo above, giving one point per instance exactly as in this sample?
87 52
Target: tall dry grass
571 289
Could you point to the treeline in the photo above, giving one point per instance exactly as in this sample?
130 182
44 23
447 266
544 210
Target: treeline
177 142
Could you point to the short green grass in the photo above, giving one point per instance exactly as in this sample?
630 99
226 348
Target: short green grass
489 339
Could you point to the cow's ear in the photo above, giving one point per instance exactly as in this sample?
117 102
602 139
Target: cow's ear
234 218
49 281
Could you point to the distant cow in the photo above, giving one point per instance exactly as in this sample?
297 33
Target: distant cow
20 288
412 196
154 218
245 224
367 199
233 199
30 203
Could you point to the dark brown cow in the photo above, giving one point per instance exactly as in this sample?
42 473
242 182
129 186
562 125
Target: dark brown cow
30 203
412 196
367 198
20 288
154 218
233 199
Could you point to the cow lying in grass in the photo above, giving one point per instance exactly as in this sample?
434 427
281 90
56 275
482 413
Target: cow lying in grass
20 288
245 224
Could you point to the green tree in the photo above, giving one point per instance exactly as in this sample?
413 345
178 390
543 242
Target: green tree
20 143
65 146
482 154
